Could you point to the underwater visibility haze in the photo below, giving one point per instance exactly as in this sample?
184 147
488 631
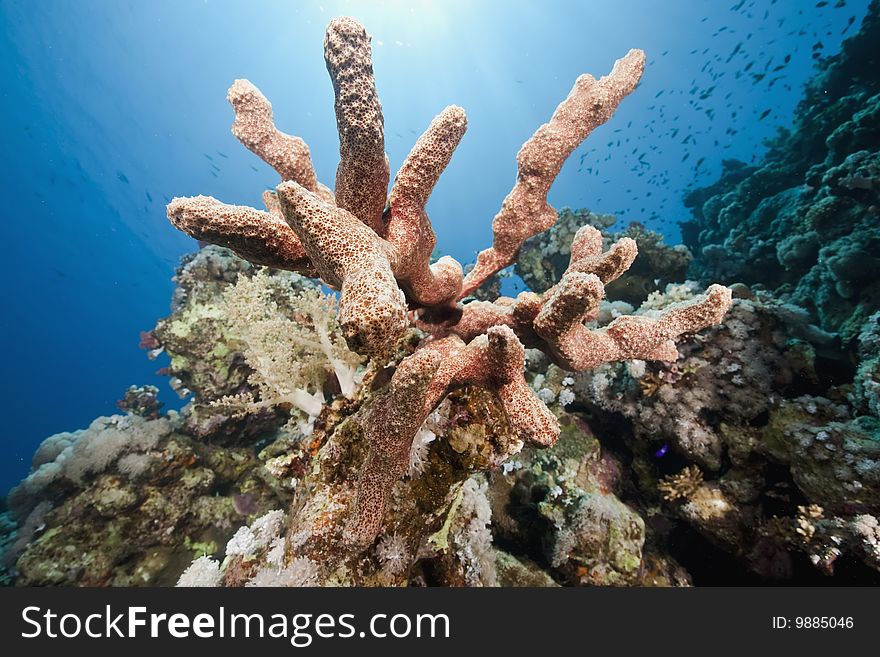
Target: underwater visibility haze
291 353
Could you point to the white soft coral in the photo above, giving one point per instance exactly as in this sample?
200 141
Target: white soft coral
290 337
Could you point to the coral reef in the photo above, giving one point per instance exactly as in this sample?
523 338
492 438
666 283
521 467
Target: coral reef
388 433
748 427
129 502
378 257
803 222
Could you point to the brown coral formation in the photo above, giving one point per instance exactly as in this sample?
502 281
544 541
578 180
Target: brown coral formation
555 321
525 211
682 484
377 252
493 361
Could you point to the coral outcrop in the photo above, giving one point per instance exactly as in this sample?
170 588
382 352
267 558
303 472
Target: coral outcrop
804 222
745 431
417 428
239 339
130 501
376 251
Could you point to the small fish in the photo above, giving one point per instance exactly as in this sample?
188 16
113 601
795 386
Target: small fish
660 453
735 51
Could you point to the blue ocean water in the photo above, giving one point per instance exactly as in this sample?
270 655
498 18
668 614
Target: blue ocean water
110 108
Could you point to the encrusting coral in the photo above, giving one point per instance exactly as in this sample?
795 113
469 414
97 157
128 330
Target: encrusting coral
375 248
129 501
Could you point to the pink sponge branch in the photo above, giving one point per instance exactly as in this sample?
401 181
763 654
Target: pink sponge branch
362 175
588 257
493 361
409 231
254 127
371 270
555 321
263 238
525 211
390 425
350 256
630 337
